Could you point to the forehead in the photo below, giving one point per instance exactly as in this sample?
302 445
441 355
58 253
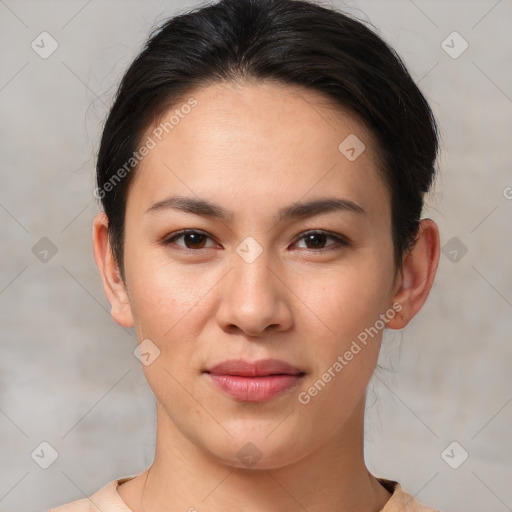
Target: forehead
263 140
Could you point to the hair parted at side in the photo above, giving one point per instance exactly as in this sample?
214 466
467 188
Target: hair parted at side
294 42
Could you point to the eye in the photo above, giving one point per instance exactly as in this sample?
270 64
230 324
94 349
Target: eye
192 238
316 239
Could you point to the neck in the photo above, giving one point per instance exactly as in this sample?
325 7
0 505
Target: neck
333 478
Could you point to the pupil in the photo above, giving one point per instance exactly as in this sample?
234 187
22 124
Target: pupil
196 237
312 237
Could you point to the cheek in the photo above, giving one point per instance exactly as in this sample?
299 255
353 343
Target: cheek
347 300
161 294
167 307
341 314
171 307
346 340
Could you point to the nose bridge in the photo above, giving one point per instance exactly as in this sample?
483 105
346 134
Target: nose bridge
252 298
252 276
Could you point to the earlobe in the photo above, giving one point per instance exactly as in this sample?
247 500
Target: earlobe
417 274
113 285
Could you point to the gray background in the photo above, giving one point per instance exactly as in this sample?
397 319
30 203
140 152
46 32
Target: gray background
68 375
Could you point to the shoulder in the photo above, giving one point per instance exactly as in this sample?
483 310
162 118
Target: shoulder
105 499
84 505
401 500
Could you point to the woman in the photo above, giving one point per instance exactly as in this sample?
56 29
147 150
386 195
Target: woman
262 174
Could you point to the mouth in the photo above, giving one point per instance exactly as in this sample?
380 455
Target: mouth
257 381
260 368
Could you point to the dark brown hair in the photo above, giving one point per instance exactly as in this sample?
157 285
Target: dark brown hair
294 42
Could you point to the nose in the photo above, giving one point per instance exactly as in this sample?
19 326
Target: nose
255 298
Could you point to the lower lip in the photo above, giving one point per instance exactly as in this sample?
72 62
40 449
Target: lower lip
255 389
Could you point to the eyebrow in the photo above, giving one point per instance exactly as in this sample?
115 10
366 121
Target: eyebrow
294 211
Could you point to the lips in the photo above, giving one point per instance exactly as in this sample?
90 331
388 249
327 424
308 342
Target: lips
257 381
260 368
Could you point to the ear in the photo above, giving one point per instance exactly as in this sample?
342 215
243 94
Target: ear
113 285
417 275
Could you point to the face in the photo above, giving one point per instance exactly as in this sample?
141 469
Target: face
257 276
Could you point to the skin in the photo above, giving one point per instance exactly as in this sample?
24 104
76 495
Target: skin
253 149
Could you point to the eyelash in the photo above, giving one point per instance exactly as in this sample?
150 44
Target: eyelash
340 240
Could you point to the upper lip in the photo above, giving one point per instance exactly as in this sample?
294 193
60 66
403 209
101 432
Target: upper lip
258 368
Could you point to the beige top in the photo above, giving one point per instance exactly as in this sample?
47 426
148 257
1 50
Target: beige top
107 499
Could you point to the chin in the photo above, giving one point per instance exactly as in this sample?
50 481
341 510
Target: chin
258 452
